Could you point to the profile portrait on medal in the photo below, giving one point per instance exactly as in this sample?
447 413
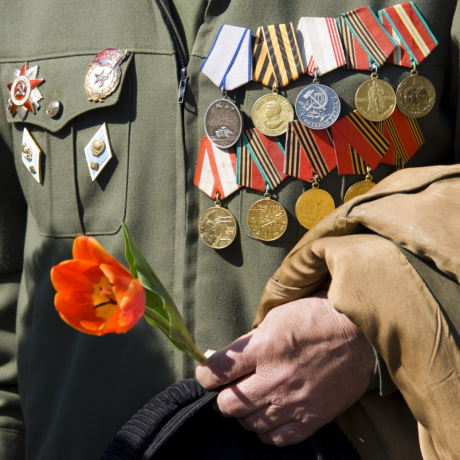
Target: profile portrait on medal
273 114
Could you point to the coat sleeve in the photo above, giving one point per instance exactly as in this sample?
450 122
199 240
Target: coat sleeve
12 231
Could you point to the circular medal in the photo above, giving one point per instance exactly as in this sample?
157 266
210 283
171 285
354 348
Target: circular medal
271 114
217 227
416 96
53 108
267 220
375 100
223 123
318 106
313 206
358 189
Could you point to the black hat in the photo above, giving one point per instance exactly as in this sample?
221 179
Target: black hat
180 423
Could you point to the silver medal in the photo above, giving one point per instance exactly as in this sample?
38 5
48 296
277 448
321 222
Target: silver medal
223 123
318 106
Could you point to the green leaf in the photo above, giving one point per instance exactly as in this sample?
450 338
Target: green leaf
128 253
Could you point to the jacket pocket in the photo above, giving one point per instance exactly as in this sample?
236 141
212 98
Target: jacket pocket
68 203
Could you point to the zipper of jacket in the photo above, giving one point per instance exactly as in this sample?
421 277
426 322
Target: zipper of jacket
183 77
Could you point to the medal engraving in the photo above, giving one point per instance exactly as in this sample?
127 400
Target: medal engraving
318 106
217 227
416 96
267 220
53 108
313 206
271 114
223 123
358 189
375 100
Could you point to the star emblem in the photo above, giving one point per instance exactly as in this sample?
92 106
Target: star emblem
101 78
24 94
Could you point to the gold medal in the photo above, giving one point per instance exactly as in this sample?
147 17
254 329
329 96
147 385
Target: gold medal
217 226
415 95
359 188
267 219
313 206
375 99
272 113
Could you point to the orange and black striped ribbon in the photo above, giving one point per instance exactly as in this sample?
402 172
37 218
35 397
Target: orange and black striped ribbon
308 152
276 56
404 135
356 139
260 161
365 41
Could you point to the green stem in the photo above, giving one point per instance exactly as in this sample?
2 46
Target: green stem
198 356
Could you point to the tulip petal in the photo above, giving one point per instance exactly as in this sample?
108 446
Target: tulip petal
132 306
117 274
88 248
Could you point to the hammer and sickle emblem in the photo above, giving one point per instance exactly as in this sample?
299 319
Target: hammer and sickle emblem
317 100
20 89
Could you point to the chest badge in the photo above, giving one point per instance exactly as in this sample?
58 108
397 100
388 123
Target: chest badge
98 152
24 94
31 153
104 74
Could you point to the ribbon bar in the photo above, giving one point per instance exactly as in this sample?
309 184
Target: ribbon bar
229 63
216 170
365 40
320 45
277 56
410 31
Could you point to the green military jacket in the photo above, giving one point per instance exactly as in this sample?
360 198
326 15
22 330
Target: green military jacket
64 395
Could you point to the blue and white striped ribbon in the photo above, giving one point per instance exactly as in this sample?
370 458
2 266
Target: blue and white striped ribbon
229 63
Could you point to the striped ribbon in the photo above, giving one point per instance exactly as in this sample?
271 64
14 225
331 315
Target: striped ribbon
366 42
276 56
320 45
404 136
229 63
308 152
410 31
357 143
260 161
216 170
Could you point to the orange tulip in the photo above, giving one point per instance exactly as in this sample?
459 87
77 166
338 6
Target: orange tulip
95 293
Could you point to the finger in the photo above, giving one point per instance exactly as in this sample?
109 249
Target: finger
232 362
287 434
245 396
267 418
209 353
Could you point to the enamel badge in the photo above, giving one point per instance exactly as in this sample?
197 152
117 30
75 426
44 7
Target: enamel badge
98 152
31 154
24 94
104 74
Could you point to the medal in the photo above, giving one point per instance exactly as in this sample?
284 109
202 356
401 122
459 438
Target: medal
260 163
104 74
277 63
415 95
215 175
358 144
54 106
31 156
313 206
24 94
98 152
228 66
360 188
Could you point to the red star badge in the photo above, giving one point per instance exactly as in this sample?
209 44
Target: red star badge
24 92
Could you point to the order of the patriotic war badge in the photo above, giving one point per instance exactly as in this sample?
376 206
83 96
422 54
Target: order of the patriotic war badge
104 74
24 94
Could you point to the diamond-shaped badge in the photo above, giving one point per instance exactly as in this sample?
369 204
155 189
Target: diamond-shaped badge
98 152
30 154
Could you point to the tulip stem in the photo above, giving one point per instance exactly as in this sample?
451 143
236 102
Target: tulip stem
198 356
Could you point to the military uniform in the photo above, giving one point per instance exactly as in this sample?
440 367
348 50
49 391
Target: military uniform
75 390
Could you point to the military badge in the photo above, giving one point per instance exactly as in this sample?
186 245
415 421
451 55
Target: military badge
98 152
31 156
104 74
24 92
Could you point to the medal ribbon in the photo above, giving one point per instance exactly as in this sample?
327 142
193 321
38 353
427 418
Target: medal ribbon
410 31
277 57
260 161
404 136
357 143
308 152
216 170
320 45
366 42
229 63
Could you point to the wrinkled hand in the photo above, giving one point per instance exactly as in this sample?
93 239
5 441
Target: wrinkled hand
304 365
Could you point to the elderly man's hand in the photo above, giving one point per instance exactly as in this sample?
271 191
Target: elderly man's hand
304 365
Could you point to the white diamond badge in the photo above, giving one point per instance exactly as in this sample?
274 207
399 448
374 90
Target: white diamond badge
30 154
98 152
